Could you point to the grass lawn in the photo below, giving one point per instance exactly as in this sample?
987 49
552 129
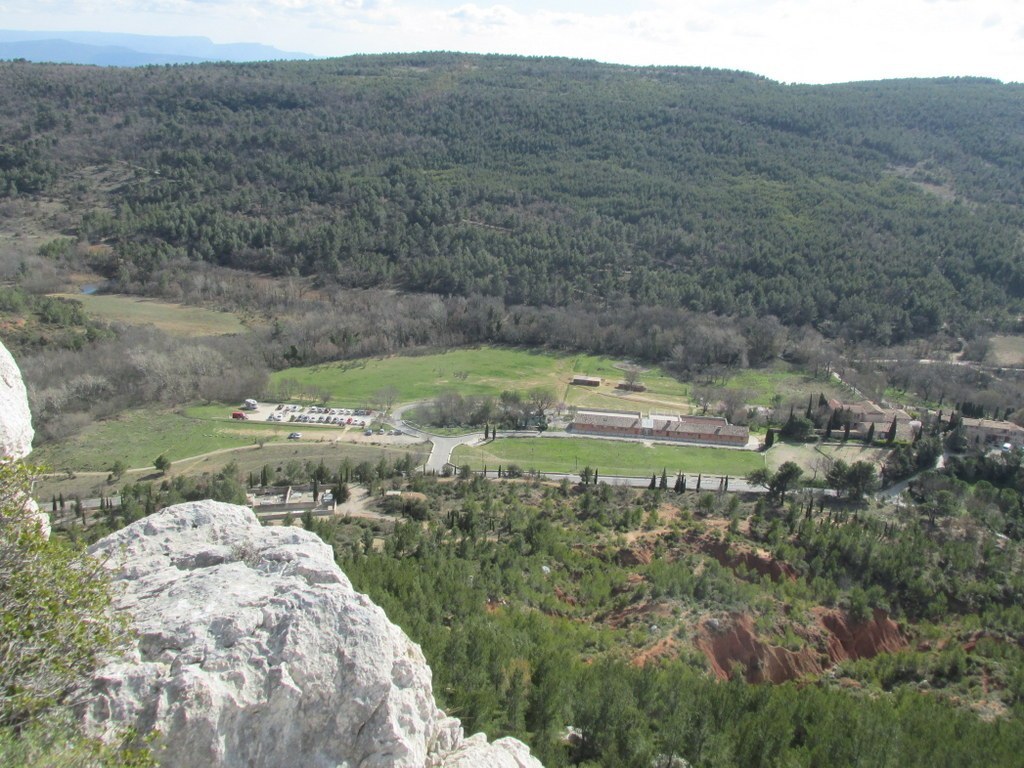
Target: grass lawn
479 371
761 384
137 437
812 457
611 457
175 319
248 458
1007 350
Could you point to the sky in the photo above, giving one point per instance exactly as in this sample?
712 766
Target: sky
805 41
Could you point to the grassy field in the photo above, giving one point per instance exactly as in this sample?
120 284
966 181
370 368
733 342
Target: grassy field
175 319
136 438
611 457
761 385
811 457
248 458
1006 350
481 371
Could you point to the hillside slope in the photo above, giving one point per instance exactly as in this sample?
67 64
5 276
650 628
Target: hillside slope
878 211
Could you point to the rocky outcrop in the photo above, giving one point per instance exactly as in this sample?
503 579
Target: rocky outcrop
254 649
15 420
16 431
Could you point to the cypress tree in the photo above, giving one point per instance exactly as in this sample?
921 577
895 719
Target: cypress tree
654 481
595 475
891 435
769 438
871 434
663 483
699 477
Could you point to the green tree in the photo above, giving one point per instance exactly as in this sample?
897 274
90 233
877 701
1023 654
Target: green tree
861 479
161 463
784 478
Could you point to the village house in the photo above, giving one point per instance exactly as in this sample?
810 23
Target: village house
982 433
862 415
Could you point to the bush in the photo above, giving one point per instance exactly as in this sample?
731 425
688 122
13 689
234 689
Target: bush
56 625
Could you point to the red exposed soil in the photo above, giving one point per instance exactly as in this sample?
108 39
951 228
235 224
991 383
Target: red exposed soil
733 556
638 555
863 640
733 645
666 648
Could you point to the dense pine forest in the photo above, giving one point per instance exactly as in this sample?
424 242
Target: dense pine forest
874 212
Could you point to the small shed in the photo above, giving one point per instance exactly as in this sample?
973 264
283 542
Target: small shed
586 381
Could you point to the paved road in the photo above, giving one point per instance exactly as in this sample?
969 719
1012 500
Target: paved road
441 446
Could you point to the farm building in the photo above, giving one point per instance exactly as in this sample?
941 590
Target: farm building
586 381
860 416
988 432
710 430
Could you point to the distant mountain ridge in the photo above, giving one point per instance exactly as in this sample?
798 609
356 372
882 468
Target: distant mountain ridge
110 49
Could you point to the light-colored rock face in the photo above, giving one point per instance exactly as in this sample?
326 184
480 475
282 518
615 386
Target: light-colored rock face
254 650
16 431
15 420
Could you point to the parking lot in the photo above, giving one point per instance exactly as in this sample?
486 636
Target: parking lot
356 424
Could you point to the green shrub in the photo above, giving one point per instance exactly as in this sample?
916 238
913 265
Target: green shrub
56 626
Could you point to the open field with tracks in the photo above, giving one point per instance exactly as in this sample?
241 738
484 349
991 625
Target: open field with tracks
492 370
481 371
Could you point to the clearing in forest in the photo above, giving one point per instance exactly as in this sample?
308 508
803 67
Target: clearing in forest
480 371
174 319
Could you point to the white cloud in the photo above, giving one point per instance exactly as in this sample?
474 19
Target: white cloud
791 40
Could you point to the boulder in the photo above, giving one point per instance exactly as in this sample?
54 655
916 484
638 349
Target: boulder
253 649
16 431
15 420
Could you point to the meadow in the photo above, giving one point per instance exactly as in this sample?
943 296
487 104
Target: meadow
480 371
136 438
1006 350
174 319
610 457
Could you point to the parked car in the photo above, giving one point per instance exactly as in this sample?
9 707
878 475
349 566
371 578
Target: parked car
295 436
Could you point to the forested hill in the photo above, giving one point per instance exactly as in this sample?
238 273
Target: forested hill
875 211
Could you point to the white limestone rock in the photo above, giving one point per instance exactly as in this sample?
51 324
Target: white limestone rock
15 420
16 431
254 650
